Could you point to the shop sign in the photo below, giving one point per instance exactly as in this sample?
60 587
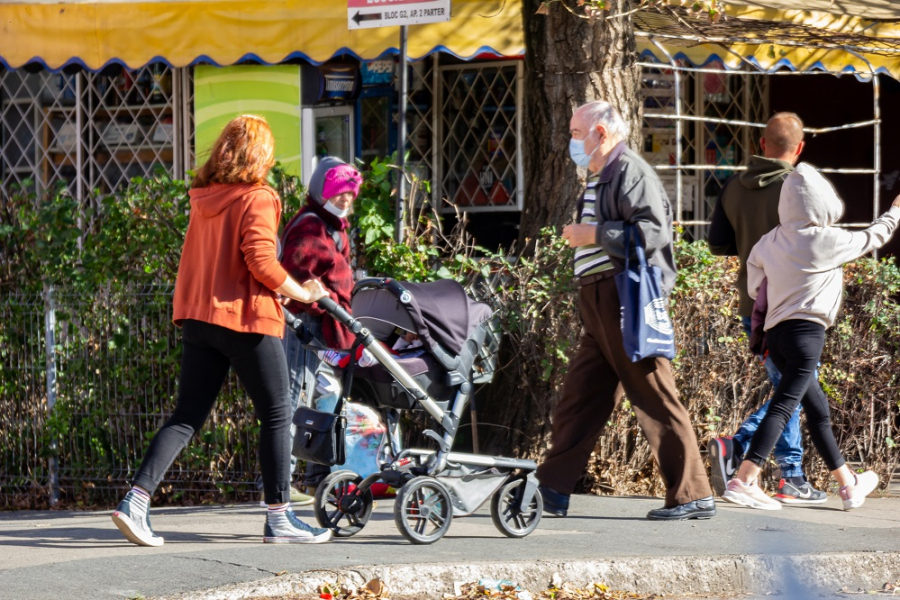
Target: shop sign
377 73
330 82
364 14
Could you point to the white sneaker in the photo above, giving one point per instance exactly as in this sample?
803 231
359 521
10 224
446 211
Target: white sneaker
133 520
854 495
284 527
749 495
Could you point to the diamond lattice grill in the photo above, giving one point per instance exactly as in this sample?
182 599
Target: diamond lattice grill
479 145
86 130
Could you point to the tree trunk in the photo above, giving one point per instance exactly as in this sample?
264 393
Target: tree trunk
568 61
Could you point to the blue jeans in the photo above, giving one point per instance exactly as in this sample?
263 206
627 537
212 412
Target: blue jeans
789 447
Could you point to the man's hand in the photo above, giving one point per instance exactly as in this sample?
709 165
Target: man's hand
896 202
581 234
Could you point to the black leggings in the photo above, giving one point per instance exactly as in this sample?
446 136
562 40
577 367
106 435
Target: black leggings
795 346
258 360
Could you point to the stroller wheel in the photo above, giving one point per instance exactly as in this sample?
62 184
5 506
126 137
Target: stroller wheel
505 512
423 510
340 507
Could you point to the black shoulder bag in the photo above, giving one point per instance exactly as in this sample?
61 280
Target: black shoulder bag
319 435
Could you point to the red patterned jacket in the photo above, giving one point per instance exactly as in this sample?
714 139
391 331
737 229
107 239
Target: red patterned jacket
310 253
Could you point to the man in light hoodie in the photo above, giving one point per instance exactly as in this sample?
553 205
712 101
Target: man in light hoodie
746 210
802 260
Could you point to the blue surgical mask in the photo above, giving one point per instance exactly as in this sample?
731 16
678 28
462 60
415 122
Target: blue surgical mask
577 153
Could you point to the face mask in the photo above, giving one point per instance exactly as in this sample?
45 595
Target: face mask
578 155
335 210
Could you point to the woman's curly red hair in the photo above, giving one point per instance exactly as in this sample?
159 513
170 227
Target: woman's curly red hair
244 153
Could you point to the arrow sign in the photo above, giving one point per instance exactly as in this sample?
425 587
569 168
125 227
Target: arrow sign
363 14
359 17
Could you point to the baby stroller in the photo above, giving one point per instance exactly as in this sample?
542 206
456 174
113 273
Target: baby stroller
457 350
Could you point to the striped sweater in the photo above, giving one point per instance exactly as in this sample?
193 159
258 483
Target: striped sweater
590 259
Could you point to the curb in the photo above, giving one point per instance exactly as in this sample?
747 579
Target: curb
793 576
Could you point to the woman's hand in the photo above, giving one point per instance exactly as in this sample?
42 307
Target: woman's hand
896 202
311 291
315 290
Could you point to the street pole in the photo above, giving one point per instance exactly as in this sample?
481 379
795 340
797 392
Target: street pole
401 140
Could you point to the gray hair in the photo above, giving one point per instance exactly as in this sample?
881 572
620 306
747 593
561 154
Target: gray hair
600 112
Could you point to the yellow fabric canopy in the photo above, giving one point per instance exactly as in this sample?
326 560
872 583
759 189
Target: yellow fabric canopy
771 57
224 32
799 35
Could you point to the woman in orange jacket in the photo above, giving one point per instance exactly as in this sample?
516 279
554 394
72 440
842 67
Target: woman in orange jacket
226 302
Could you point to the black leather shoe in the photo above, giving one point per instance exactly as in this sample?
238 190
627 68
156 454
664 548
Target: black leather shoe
554 503
704 508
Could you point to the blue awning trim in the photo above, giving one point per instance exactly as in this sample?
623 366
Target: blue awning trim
251 57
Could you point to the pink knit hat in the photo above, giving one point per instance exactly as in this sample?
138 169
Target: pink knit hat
340 179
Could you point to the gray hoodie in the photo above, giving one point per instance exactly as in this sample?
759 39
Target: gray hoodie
802 257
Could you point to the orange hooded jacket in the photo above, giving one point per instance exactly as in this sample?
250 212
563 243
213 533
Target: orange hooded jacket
228 265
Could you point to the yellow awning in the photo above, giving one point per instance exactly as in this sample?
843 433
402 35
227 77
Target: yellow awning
223 32
771 57
801 35
94 34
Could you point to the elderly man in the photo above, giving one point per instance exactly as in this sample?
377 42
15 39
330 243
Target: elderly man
747 210
622 189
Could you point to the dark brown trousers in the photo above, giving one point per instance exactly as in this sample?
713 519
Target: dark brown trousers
597 378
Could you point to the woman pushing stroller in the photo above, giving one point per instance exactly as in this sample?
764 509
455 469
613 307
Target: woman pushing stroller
226 302
801 261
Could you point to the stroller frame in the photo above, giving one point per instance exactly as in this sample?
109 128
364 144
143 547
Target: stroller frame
434 485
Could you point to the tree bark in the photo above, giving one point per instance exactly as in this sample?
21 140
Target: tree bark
569 61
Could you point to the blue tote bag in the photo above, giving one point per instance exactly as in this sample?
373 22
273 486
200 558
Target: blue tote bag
646 327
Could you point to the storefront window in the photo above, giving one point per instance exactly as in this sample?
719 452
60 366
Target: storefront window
725 97
479 141
374 121
89 130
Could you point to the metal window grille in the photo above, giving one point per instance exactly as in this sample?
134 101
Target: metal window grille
715 142
479 136
184 94
420 118
92 131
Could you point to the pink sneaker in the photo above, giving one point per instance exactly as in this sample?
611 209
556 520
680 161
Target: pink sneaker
854 495
749 495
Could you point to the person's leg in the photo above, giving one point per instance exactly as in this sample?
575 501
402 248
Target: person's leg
794 347
323 392
650 386
726 452
260 364
743 435
579 417
203 371
301 364
258 360
590 393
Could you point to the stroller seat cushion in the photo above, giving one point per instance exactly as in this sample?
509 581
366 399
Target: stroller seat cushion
418 363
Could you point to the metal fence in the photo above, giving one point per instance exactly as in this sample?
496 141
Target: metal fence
84 384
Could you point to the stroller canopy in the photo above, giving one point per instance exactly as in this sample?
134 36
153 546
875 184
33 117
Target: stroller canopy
439 312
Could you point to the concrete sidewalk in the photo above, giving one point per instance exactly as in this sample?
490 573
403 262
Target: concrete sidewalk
78 555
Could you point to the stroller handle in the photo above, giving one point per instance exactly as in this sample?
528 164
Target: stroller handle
335 310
